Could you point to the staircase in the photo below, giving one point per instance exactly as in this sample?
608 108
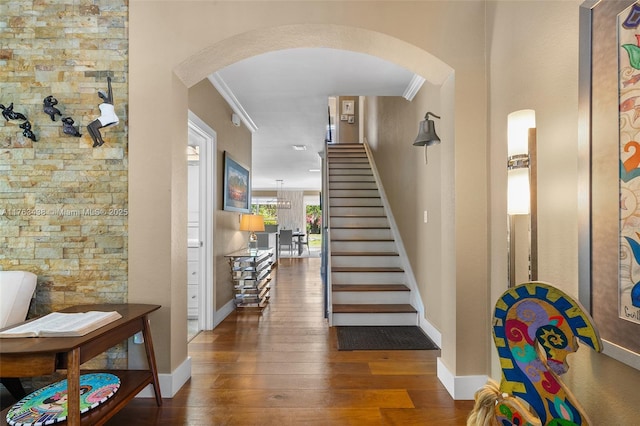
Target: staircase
368 282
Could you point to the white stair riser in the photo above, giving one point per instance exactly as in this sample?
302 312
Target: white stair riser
342 171
371 185
370 297
359 221
350 158
375 319
357 211
363 246
354 202
366 261
355 193
351 178
367 278
346 165
364 234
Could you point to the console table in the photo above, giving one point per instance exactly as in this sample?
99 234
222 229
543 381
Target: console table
250 276
37 356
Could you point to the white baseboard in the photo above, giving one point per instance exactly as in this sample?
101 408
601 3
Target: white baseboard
170 384
460 387
431 331
621 354
223 312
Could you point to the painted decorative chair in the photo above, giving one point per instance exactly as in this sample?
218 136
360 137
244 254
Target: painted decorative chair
535 327
16 291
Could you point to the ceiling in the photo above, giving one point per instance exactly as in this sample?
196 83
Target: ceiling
283 96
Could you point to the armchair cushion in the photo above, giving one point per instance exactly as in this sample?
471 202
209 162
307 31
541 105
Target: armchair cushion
16 291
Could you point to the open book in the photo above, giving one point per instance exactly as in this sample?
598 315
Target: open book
58 324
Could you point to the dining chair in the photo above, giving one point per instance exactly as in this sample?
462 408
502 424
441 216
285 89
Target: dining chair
286 239
305 242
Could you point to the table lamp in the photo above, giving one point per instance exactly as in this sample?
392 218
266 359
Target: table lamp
252 223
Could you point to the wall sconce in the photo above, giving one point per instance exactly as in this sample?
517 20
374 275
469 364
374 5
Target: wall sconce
522 196
252 223
427 134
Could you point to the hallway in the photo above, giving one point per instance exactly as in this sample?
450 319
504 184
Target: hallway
283 368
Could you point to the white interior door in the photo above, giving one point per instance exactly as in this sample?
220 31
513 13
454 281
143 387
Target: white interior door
200 233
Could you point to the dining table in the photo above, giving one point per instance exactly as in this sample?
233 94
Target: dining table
298 235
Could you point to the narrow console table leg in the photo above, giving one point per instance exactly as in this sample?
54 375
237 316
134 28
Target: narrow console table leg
151 358
73 387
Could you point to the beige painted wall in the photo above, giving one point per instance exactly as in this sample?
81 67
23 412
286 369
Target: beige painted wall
412 187
209 106
535 65
200 50
348 132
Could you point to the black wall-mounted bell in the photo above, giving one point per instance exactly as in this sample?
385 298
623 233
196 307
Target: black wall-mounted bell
427 132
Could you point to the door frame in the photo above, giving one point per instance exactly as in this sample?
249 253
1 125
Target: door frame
206 299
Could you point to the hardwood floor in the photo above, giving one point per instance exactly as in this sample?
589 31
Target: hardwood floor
282 367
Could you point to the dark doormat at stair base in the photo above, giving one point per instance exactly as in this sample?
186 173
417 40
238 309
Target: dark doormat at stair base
384 338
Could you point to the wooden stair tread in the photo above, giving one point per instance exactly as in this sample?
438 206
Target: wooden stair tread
370 287
353 196
356 216
372 308
364 253
363 269
360 240
360 227
356 161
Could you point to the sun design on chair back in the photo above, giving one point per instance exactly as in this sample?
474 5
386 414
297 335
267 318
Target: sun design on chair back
535 327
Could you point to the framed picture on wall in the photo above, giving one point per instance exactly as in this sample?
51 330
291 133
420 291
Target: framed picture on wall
237 186
609 269
348 107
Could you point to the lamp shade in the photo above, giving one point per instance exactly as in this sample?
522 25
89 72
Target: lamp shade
518 125
518 193
252 222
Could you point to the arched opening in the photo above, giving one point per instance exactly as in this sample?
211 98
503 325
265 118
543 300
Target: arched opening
148 248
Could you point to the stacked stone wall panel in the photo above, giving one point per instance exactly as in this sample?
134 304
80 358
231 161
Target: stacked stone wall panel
63 203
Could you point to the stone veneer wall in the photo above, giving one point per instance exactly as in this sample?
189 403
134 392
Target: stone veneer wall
63 203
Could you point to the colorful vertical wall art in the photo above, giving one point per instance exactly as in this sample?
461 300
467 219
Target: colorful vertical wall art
629 120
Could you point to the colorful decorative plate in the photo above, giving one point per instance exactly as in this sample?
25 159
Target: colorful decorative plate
49 404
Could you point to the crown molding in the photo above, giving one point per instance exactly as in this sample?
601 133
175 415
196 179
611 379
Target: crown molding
413 87
218 82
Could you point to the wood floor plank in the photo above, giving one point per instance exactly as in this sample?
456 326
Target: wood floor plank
282 367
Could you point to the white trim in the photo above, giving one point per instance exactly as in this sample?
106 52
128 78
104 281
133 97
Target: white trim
234 103
224 312
206 302
433 333
460 387
170 384
621 354
413 87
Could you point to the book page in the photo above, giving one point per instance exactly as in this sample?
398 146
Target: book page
77 324
63 324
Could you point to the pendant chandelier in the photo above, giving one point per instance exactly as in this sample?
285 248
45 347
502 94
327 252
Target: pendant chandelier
281 203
